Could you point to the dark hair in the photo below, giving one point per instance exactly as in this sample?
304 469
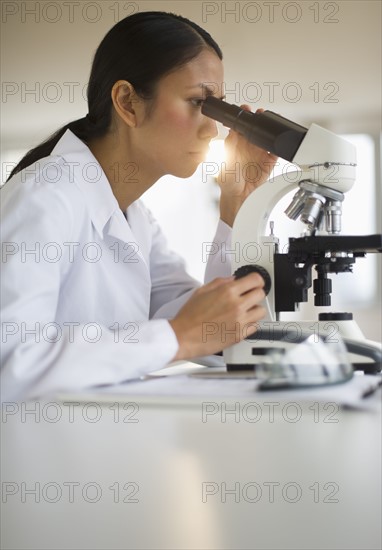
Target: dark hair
141 49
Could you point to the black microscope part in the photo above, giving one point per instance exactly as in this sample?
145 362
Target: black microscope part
253 268
267 130
292 271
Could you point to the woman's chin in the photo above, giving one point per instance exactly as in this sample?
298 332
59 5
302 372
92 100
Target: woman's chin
186 171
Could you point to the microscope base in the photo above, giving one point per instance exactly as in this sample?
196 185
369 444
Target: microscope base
364 355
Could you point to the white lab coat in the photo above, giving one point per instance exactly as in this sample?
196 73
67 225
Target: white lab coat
85 294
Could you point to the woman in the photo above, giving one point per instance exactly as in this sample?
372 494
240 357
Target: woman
91 294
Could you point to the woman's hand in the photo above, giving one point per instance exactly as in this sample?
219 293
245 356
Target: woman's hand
246 168
218 315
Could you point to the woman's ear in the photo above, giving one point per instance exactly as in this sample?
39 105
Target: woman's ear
126 102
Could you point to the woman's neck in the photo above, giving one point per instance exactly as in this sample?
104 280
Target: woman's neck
125 171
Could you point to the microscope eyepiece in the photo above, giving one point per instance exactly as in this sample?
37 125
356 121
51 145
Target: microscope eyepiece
267 130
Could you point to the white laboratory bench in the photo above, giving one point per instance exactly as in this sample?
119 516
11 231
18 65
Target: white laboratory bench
222 474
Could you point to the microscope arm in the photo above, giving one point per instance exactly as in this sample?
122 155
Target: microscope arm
249 240
254 213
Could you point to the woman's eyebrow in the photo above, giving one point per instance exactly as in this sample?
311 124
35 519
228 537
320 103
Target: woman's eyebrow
207 89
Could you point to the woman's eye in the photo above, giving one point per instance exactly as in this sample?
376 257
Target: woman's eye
197 102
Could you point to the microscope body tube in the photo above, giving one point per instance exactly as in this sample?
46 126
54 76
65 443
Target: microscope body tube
267 130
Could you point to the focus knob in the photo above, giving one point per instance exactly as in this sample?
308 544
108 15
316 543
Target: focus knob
322 289
247 269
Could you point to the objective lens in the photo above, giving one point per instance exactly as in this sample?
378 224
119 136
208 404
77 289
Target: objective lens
296 206
312 209
333 217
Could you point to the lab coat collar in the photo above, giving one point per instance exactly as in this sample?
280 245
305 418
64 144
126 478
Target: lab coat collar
91 179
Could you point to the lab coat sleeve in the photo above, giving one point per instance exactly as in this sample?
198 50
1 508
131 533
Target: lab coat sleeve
172 286
39 357
219 257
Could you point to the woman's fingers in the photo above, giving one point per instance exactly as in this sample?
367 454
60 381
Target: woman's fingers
203 324
249 282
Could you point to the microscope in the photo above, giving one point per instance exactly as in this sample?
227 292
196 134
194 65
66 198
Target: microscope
327 166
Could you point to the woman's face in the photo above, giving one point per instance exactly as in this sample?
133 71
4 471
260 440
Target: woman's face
175 135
